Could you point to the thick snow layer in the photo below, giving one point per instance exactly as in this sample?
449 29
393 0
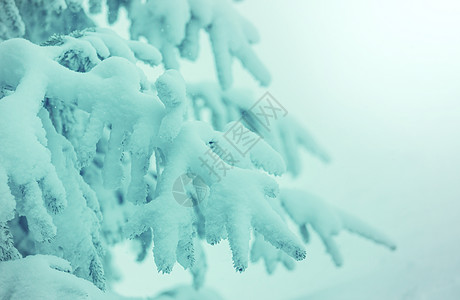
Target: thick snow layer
118 122
44 277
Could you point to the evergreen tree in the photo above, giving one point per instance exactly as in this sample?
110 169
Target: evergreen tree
93 153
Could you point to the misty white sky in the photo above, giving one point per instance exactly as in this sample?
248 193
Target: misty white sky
377 82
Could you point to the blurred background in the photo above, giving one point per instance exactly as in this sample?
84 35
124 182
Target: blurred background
377 83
